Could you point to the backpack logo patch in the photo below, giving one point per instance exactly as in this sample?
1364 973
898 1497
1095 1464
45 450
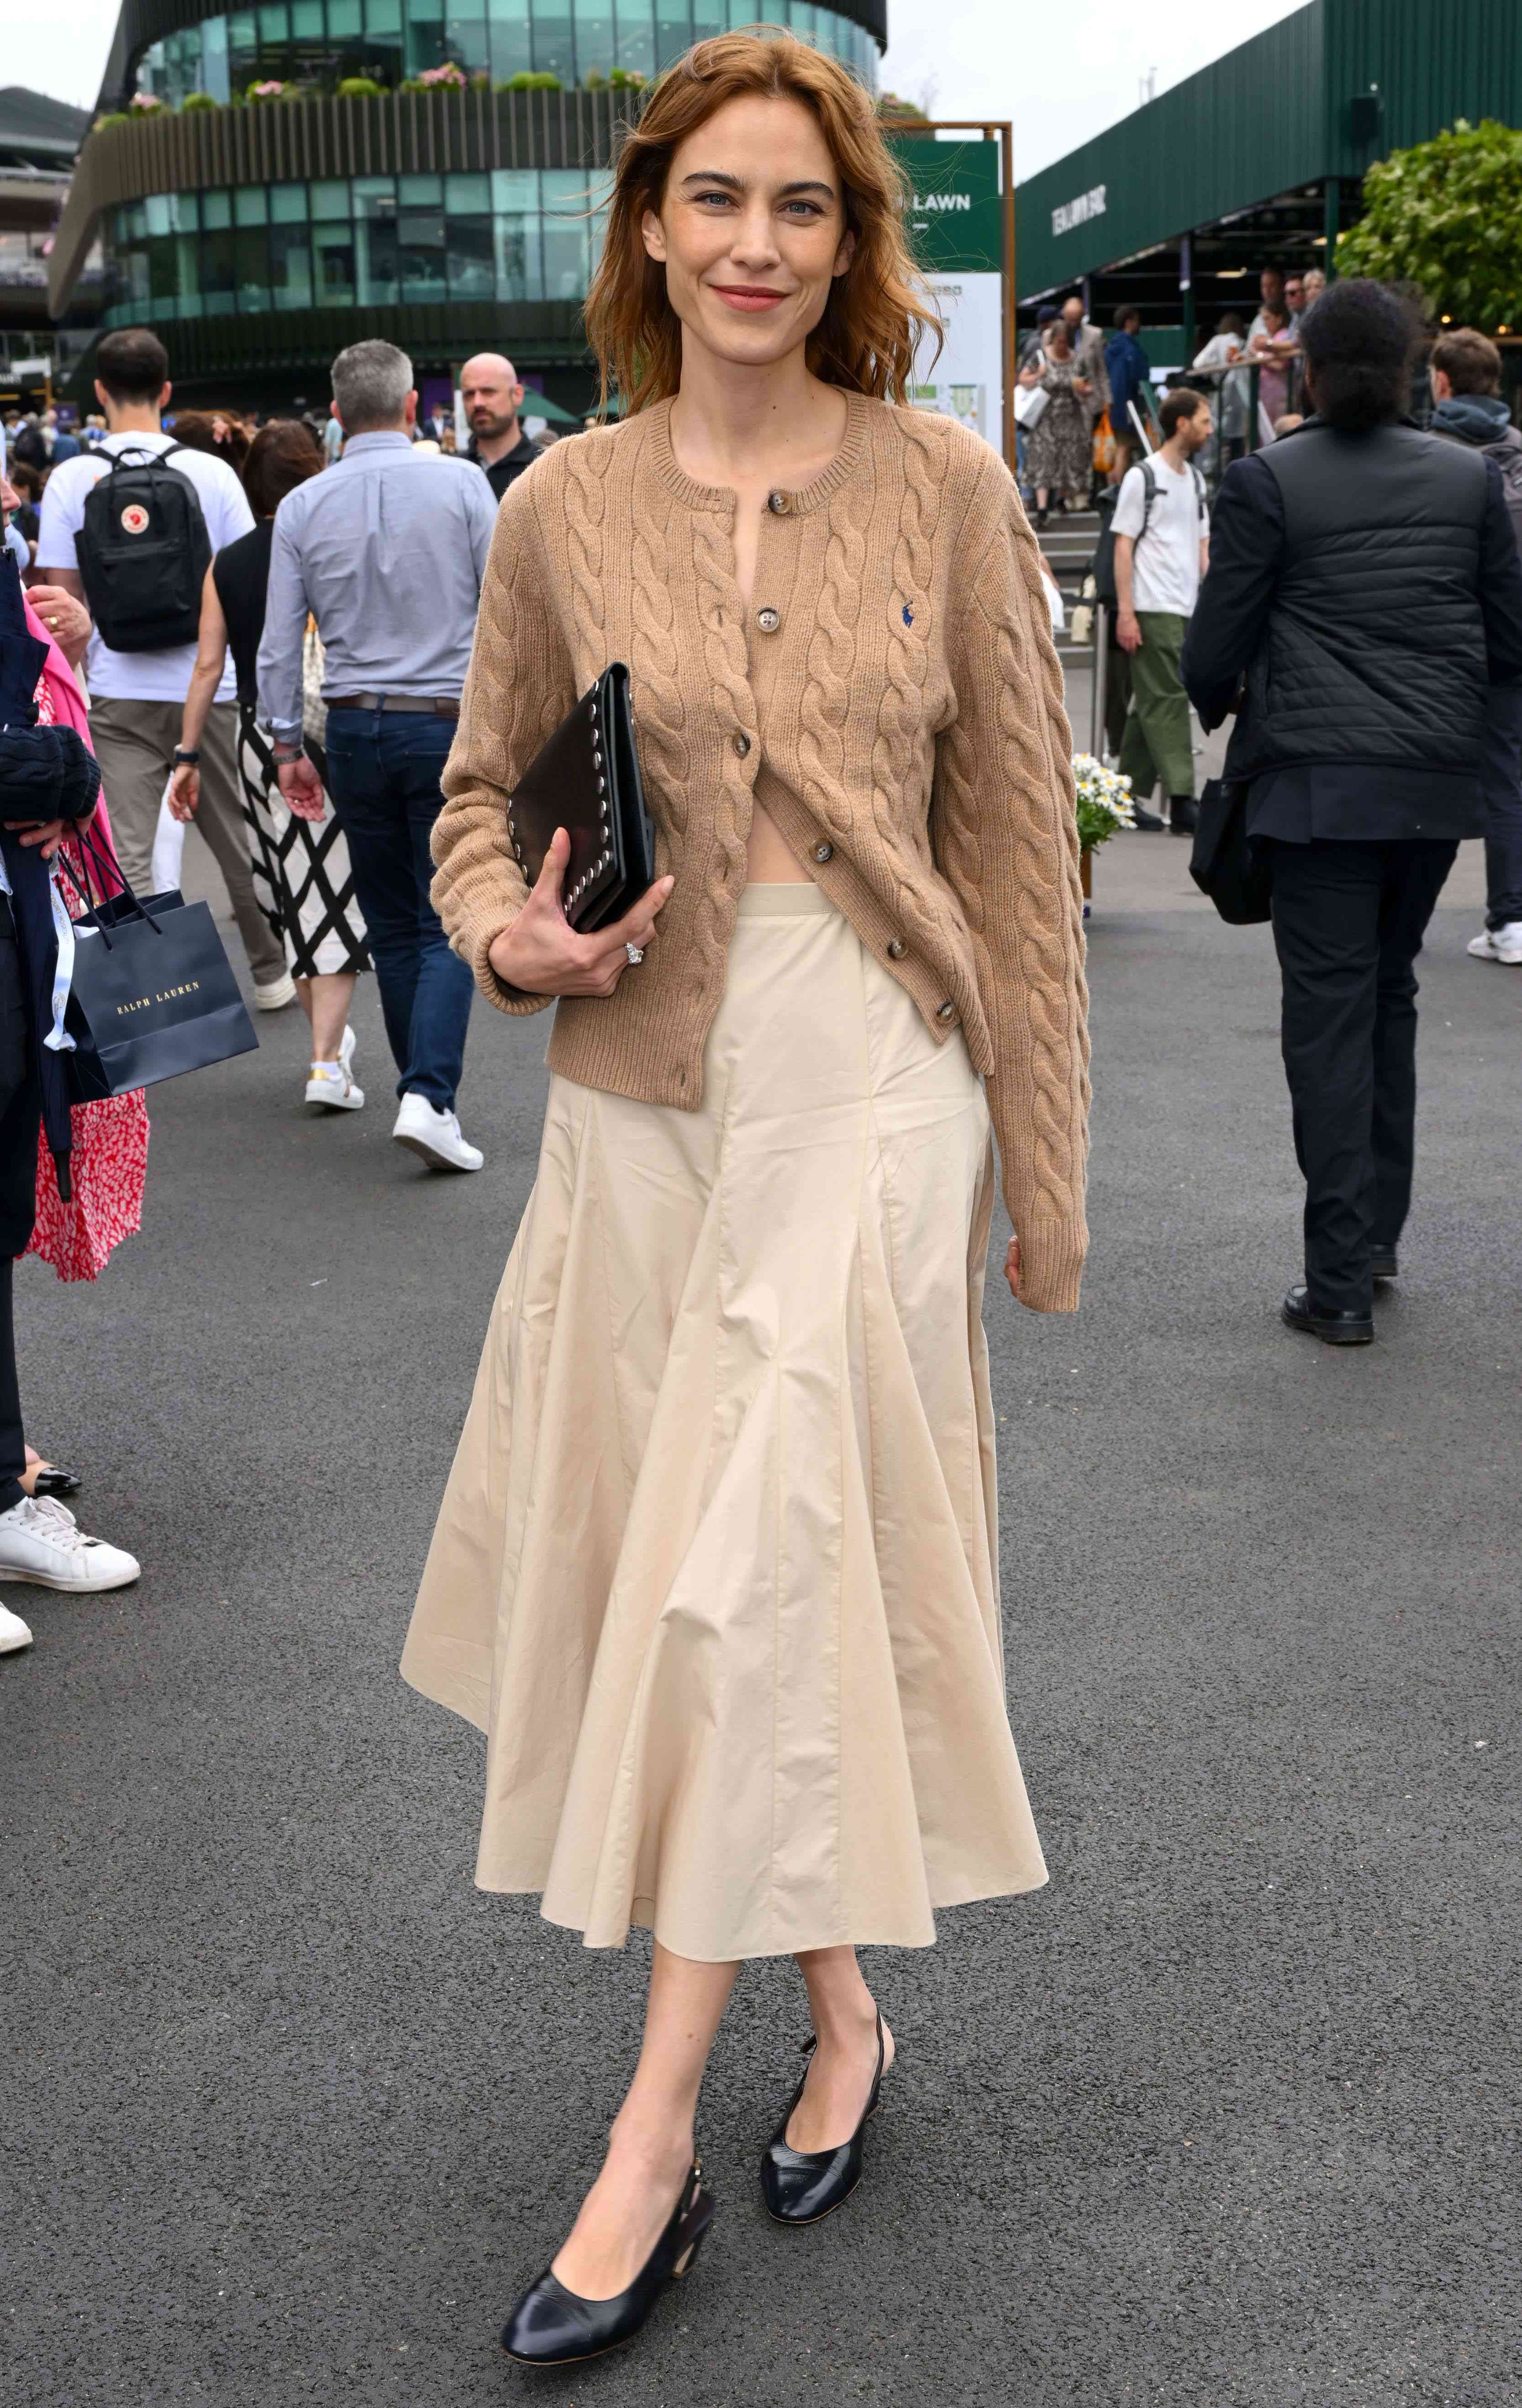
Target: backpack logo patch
135 518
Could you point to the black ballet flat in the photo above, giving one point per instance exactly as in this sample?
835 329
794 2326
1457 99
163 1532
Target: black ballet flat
53 1480
553 2326
799 2187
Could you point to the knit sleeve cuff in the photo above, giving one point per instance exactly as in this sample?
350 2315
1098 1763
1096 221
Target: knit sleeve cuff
473 939
1052 1264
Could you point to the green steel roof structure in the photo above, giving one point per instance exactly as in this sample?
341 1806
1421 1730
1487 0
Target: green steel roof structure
1259 159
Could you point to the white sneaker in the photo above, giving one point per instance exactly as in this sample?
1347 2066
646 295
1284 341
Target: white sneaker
275 997
1499 944
40 1541
434 1137
329 1086
14 1634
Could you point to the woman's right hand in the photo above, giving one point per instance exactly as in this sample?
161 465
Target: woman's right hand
541 954
184 791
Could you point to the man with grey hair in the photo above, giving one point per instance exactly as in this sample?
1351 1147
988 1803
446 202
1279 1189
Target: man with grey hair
386 551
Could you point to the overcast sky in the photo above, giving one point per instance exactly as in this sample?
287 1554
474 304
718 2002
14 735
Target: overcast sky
1062 69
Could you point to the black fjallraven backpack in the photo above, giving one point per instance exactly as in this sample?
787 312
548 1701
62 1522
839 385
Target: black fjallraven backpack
143 553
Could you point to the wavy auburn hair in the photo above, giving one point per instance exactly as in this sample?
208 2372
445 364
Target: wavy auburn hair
877 311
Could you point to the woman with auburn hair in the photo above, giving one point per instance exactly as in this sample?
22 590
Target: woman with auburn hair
717 1568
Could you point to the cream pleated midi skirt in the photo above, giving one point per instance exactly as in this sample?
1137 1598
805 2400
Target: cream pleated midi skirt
717 1566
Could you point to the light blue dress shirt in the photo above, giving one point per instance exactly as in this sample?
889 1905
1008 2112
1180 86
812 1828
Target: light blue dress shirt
387 549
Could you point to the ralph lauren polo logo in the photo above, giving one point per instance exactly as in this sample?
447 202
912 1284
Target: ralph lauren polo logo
908 616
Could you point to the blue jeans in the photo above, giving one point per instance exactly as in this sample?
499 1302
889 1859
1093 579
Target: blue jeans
383 774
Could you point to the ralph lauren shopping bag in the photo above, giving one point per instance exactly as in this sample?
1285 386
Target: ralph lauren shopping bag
153 994
1226 863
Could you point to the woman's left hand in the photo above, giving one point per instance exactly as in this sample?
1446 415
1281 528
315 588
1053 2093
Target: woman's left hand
64 617
185 792
1012 1270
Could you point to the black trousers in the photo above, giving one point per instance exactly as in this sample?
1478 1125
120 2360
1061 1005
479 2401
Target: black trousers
1348 923
19 1113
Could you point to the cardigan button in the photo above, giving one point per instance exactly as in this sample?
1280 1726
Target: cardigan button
945 1011
778 504
742 744
768 621
896 949
824 852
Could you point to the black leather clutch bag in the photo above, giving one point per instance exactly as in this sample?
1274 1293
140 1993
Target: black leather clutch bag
585 779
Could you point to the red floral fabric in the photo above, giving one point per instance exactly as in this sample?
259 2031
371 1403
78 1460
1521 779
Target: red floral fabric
108 1165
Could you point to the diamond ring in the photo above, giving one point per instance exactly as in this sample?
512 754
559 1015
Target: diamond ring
634 955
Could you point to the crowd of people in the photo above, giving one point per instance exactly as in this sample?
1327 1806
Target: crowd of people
301 720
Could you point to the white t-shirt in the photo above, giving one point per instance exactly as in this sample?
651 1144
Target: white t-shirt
140 677
1166 572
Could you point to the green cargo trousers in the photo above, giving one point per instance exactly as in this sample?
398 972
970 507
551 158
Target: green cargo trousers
1159 742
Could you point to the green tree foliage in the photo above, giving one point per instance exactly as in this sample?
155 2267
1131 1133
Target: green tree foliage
1446 216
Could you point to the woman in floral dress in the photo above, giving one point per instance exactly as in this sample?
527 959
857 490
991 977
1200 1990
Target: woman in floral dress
1058 450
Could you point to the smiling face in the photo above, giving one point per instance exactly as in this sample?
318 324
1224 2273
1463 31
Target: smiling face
751 230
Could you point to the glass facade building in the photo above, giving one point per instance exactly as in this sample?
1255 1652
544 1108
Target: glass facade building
318 41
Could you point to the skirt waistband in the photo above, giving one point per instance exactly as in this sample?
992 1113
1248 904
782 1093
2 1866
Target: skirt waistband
784 901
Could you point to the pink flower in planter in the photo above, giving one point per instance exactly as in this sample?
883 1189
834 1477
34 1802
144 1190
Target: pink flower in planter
448 74
266 90
146 102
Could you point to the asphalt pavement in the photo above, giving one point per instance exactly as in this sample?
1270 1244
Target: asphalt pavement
1224 2117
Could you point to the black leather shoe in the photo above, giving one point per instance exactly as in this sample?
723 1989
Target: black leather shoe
53 1480
1333 1329
1183 815
1382 1263
553 2326
799 2187
1147 821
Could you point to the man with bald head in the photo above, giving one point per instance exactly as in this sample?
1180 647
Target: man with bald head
493 397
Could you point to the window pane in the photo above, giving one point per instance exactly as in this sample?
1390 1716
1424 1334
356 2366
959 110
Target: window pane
636 36
672 30
374 196
214 59
800 18
374 261
162 274
467 39
333 253
250 258
420 192
307 20
596 53
707 19
471 259
566 205
217 283
514 222
287 203
273 24
511 51
157 209
382 16
330 199
421 245
248 206
291 267
467 196
186 253
345 18
216 209
184 212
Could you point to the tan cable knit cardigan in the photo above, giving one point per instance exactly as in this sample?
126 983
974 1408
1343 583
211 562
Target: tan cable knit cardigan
891 697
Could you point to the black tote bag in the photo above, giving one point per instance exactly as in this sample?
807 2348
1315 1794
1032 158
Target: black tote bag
153 994
1226 863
